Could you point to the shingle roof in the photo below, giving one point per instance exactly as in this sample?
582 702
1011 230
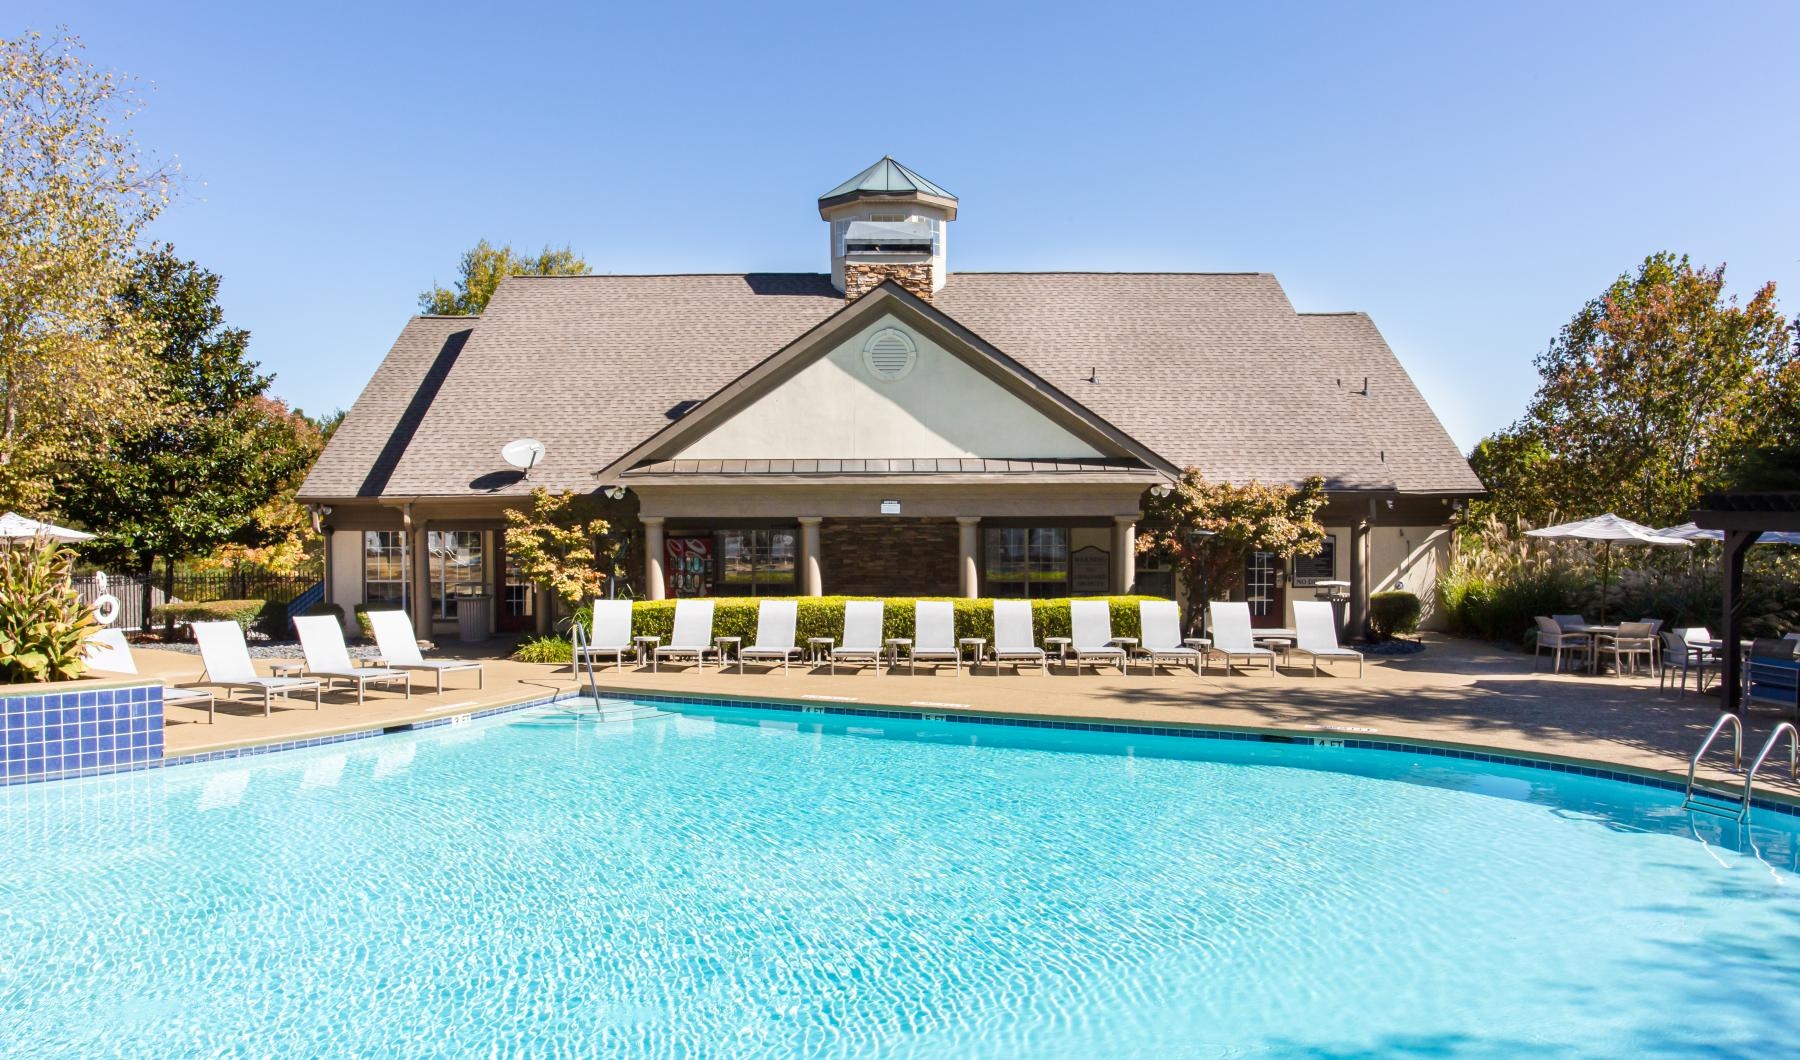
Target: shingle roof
1209 370
918 466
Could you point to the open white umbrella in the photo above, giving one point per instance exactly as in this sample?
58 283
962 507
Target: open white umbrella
1607 529
1690 532
15 527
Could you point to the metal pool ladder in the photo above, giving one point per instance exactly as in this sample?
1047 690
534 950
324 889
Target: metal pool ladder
1735 804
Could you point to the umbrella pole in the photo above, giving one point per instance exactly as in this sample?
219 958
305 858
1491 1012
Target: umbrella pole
1605 576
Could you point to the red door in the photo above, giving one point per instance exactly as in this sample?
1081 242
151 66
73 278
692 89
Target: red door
1264 591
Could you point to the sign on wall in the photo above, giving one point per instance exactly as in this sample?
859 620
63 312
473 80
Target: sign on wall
1090 571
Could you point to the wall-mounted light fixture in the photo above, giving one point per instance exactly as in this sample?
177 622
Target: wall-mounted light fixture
1161 489
614 492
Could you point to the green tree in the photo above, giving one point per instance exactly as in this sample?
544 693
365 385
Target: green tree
483 268
75 195
1208 529
1652 394
195 479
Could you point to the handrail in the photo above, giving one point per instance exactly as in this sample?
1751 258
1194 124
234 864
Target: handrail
580 658
1737 750
1793 758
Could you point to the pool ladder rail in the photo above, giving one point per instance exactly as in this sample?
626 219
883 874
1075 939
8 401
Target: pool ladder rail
626 711
1730 803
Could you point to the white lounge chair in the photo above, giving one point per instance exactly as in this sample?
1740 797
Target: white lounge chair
1090 635
322 642
1013 639
108 650
399 647
1315 634
1159 635
1229 624
692 636
609 637
934 635
775 624
227 660
862 635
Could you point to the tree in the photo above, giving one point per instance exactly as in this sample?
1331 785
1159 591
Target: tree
1651 394
195 479
75 194
485 266
280 538
561 545
1240 519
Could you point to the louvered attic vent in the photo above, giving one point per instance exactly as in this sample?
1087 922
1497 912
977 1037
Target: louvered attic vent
890 354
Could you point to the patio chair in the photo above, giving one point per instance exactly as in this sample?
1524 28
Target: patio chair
1632 641
108 650
775 623
934 635
1682 657
862 635
399 647
1315 634
1229 623
1569 622
322 642
1090 636
692 637
227 660
1159 636
610 635
1013 640
1553 637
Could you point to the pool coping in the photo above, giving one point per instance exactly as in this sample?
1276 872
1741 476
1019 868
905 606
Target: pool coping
1346 737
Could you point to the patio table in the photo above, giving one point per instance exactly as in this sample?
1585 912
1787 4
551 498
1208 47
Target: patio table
978 648
1059 644
894 644
819 647
1594 633
1275 635
645 645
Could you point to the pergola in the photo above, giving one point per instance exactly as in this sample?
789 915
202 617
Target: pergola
1743 517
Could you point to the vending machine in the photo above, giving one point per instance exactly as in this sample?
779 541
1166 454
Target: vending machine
687 566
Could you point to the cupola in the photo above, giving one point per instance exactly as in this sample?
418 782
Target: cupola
888 223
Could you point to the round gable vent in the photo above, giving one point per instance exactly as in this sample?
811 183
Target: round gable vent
890 354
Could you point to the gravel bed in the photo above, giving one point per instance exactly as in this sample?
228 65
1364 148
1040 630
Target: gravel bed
1395 647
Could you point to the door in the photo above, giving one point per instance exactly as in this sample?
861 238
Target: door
1264 591
518 603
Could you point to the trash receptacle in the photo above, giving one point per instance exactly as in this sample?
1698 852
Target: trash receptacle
473 614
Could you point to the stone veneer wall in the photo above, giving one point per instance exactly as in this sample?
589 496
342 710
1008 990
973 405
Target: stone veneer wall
861 277
888 557
93 730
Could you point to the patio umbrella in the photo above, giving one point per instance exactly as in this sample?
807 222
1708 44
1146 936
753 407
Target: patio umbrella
15 527
1690 532
1607 529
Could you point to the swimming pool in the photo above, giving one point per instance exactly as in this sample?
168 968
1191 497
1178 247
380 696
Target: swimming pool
732 882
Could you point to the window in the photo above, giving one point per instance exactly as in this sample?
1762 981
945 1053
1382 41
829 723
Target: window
1259 583
457 569
890 217
756 562
518 607
1027 561
384 568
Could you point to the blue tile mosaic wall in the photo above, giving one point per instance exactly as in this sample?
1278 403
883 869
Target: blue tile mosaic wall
93 730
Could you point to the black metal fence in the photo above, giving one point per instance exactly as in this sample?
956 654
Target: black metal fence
282 589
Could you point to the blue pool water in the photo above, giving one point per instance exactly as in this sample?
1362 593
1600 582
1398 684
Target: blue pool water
732 883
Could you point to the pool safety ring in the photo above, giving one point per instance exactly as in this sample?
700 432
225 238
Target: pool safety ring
106 608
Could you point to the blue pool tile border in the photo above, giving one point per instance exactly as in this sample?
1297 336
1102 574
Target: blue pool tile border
948 716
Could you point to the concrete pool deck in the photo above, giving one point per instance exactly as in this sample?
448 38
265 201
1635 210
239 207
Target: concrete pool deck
1459 693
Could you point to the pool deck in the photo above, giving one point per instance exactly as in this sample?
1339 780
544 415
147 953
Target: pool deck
1457 693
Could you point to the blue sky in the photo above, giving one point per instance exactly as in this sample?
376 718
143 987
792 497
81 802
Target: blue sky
1468 175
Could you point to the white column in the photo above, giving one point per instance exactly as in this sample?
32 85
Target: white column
653 556
812 583
968 547
1124 553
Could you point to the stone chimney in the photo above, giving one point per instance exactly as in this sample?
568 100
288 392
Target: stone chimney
888 223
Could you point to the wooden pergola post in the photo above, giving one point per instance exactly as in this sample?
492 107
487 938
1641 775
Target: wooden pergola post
1737 542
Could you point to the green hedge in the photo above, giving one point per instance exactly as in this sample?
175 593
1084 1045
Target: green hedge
246 613
823 616
1393 614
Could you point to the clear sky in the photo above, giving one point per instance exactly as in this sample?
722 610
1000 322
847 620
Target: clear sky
1468 174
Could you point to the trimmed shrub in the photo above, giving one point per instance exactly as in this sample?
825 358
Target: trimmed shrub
43 623
1393 614
545 650
363 625
823 616
246 613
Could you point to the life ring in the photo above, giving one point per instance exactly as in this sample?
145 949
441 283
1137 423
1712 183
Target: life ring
106 608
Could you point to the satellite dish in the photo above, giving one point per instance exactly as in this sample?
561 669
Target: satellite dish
523 454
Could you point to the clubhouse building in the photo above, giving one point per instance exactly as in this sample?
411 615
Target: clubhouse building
889 427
